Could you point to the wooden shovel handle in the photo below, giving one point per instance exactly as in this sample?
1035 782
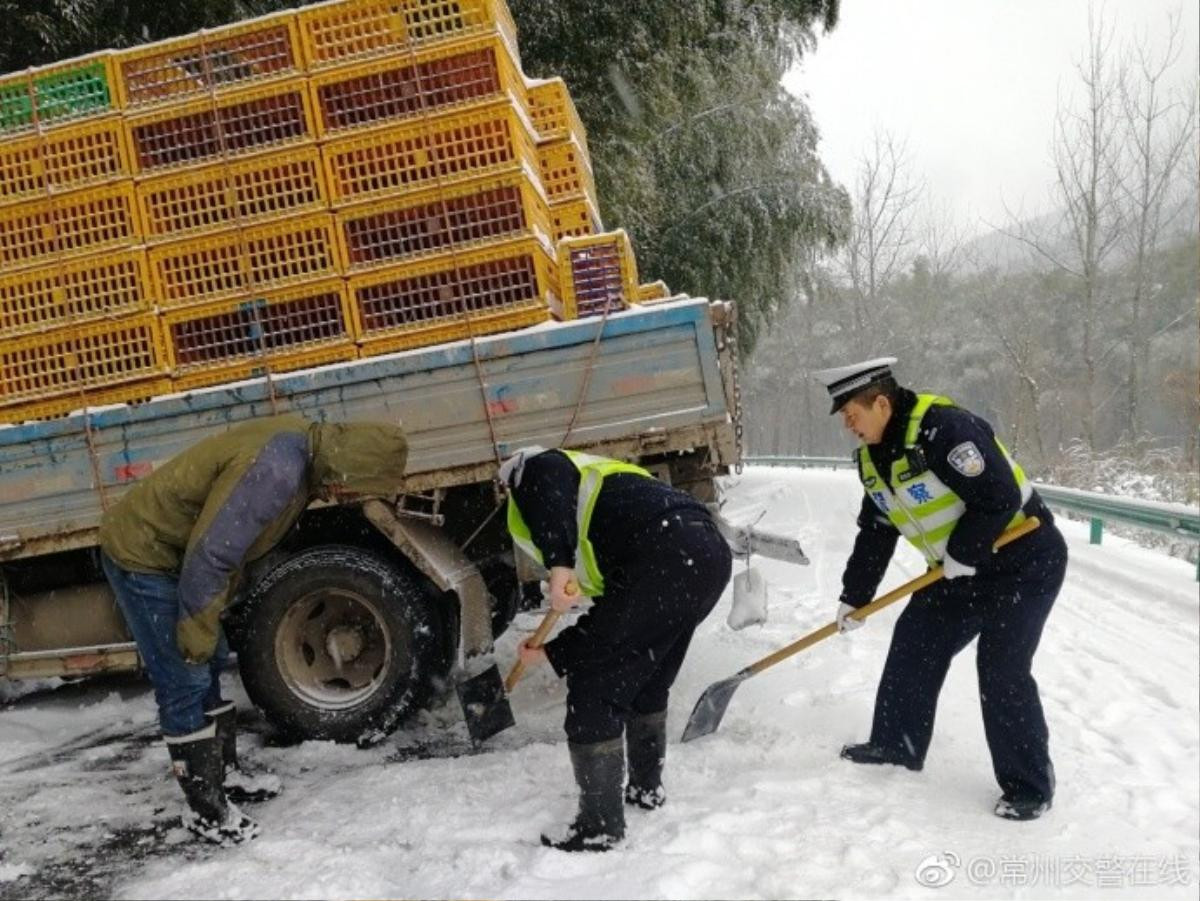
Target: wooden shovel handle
539 638
883 601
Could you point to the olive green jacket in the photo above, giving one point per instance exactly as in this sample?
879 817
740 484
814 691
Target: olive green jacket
232 497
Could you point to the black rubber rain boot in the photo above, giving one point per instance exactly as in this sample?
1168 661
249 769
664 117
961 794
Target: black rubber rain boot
646 739
1018 807
869 753
196 763
241 786
600 823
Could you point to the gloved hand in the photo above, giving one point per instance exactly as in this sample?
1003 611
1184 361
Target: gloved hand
952 569
844 622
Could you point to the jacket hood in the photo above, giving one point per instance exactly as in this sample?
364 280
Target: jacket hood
363 457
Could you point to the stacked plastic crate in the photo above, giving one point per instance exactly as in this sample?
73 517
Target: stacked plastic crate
242 247
431 162
349 179
76 313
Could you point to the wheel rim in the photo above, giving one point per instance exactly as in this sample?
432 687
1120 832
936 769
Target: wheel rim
333 649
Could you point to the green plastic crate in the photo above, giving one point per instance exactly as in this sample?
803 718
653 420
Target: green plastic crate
62 94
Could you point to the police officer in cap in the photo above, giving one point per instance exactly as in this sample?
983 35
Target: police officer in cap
937 475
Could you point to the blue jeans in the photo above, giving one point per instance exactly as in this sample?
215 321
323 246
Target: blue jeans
183 691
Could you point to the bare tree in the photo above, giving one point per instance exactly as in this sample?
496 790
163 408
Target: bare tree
882 232
1086 189
1158 126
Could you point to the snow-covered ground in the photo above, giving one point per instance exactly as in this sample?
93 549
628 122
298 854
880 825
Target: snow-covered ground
763 808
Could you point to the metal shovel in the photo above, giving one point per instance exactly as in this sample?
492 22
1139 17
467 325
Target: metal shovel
709 710
484 697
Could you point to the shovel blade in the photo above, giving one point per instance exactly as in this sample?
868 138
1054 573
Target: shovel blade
485 705
707 714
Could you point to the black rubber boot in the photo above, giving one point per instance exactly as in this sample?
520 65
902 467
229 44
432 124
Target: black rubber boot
1013 807
241 786
600 823
196 763
646 740
869 753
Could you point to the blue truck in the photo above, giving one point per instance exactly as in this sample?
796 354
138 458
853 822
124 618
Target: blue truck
367 606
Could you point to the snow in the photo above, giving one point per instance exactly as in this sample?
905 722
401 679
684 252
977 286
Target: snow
763 808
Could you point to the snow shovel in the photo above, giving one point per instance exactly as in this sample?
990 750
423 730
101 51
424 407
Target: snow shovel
709 710
484 697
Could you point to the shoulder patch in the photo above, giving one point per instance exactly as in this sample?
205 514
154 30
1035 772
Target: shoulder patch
967 459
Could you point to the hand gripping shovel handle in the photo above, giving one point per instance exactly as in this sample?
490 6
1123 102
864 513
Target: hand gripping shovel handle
707 714
539 638
883 601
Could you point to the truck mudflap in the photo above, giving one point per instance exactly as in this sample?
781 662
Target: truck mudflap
433 552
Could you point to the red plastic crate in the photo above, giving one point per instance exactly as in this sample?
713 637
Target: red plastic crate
396 89
251 120
464 216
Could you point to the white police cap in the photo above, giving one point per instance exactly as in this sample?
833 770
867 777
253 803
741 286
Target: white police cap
843 382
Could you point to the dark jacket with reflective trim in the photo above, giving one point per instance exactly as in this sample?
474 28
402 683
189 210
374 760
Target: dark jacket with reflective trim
991 499
231 498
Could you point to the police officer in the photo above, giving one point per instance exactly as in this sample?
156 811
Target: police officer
652 560
936 474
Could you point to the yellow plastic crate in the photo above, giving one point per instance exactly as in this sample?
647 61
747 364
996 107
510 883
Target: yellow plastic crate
250 120
245 192
269 329
458 218
40 367
457 330
208 62
435 153
73 293
130 393
39 232
407 87
652 292
567 173
337 33
276 365
598 272
553 112
454 292
243 261
574 218
48 96
68 158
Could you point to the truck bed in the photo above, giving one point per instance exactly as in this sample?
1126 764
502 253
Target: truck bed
654 384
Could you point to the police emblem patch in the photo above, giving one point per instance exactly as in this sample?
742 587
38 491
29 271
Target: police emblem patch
967 459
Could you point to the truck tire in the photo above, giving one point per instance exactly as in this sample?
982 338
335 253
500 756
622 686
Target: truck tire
340 644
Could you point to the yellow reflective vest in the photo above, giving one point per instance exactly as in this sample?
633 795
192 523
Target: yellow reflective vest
592 472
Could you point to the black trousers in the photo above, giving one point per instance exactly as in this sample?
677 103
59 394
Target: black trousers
1007 612
638 633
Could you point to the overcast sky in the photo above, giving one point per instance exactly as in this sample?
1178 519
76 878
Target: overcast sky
971 85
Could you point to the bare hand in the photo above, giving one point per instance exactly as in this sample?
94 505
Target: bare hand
530 656
563 589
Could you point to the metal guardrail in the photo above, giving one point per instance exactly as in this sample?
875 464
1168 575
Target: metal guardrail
1178 520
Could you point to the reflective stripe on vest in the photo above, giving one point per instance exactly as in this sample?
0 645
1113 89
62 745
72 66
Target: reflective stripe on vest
592 472
922 507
